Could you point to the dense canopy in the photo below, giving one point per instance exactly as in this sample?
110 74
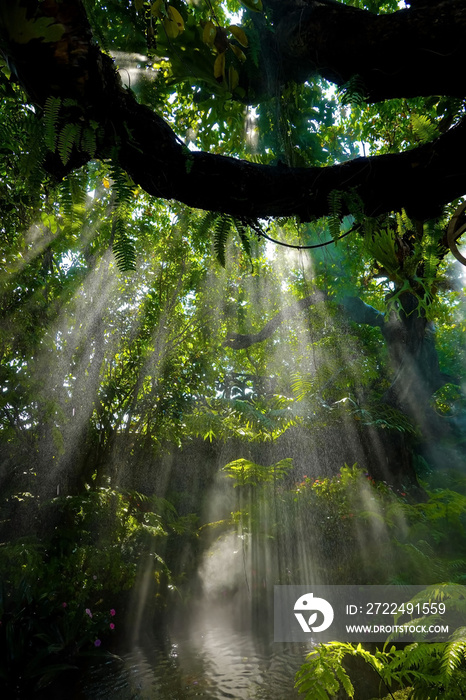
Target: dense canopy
268 115
52 51
231 255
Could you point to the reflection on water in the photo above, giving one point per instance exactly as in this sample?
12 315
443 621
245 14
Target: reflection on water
218 646
212 662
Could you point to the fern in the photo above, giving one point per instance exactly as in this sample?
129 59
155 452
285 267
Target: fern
123 186
51 112
72 194
423 128
403 223
33 156
222 224
203 229
221 231
243 235
302 386
454 655
68 137
382 246
71 134
66 199
430 671
335 208
353 92
431 249
254 46
247 473
123 247
89 139
322 675
78 188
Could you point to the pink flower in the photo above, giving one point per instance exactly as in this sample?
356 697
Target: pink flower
64 605
112 626
97 643
88 612
112 612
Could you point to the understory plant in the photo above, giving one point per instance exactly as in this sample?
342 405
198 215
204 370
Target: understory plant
423 542
331 530
423 671
42 637
61 589
427 540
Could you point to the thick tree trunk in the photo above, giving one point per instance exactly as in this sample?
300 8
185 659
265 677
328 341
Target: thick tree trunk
413 358
414 361
416 376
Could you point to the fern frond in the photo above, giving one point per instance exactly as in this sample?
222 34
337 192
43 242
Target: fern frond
66 198
382 246
431 250
32 158
89 141
345 681
302 386
123 247
72 196
122 184
334 201
254 45
51 111
423 128
204 227
403 223
69 136
353 92
243 235
221 231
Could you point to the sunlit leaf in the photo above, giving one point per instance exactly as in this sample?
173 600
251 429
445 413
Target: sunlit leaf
239 34
219 66
173 23
238 53
209 33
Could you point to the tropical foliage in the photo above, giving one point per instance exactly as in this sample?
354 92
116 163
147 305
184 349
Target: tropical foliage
256 305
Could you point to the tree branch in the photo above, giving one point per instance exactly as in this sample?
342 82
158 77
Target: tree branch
357 310
240 341
63 61
409 53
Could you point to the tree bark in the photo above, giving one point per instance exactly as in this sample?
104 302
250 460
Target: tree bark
62 60
415 366
241 341
408 53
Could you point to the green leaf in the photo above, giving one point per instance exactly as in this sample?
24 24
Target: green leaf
254 5
221 231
